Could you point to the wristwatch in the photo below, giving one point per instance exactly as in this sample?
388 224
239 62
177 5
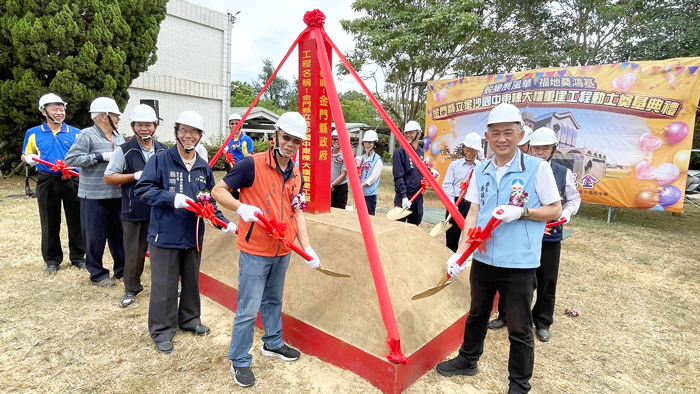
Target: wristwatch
526 214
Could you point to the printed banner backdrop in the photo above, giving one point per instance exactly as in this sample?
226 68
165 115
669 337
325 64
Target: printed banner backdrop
625 129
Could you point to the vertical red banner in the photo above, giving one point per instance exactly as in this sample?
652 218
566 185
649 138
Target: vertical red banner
314 155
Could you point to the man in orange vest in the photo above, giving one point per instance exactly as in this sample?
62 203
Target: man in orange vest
269 183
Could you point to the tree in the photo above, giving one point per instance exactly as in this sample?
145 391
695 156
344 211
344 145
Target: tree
358 109
78 49
280 91
243 94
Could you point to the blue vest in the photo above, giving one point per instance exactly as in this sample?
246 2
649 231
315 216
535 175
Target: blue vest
133 209
559 171
517 244
372 189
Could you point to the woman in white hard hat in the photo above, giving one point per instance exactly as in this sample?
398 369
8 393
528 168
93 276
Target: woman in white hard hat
169 180
270 183
458 172
125 168
100 203
339 174
407 178
370 167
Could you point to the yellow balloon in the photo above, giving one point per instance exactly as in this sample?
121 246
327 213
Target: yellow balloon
682 159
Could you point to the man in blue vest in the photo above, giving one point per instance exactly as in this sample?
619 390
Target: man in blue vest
519 190
51 141
407 177
543 144
125 168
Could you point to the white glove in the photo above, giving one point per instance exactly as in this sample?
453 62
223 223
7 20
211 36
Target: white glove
107 156
181 201
247 212
435 173
226 149
30 159
315 262
510 213
453 268
565 215
137 175
406 203
230 229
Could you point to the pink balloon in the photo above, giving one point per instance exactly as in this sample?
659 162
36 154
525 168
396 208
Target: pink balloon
649 143
623 83
432 131
439 96
676 132
644 171
667 173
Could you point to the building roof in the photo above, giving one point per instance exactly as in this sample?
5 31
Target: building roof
259 118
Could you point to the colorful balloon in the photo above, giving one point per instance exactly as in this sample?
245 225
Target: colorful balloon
681 159
657 208
623 83
440 95
649 143
432 131
667 173
426 143
669 195
644 171
436 148
676 132
646 199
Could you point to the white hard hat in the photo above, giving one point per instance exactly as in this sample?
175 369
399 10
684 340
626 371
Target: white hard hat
544 136
192 119
472 140
412 125
234 116
143 113
293 124
526 137
370 136
505 113
50 98
104 105
334 133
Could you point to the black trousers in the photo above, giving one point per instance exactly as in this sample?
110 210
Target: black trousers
416 216
101 224
547 275
51 190
164 312
135 247
453 234
516 287
371 202
339 196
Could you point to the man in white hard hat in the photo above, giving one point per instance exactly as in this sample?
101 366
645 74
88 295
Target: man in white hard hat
270 184
50 141
370 167
339 174
407 177
524 144
100 203
125 169
457 172
519 190
544 144
241 145
169 180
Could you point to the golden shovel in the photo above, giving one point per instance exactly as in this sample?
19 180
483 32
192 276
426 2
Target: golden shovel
330 272
446 225
397 213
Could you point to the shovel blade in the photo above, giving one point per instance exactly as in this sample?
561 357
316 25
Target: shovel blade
397 213
440 228
444 282
331 272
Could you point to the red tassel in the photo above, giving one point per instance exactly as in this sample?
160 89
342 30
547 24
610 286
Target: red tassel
314 18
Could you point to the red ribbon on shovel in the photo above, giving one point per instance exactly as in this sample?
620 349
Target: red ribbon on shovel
60 166
205 210
276 231
549 225
230 159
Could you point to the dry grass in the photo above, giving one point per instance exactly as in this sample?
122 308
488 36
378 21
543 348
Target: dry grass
635 283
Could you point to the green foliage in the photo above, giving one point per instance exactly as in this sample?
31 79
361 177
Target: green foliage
358 109
386 156
281 92
78 49
261 145
243 94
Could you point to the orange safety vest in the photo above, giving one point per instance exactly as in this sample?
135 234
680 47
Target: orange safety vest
274 198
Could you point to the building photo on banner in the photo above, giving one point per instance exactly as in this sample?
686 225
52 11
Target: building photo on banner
625 130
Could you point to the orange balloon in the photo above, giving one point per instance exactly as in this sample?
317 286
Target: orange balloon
647 198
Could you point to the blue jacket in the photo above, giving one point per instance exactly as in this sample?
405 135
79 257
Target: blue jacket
164 176
406 176
559 171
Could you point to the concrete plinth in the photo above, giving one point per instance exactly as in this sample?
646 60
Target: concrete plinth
338 319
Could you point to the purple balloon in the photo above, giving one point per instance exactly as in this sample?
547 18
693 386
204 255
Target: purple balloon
669 195
436 148
426 143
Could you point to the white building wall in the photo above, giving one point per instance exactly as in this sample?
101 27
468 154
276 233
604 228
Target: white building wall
192 71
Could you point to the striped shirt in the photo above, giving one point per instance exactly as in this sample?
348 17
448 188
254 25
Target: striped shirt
83 153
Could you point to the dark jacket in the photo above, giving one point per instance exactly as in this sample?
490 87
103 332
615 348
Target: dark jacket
406 175
134 210
164 176
559 171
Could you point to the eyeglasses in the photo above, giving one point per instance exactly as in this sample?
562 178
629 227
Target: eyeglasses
287 138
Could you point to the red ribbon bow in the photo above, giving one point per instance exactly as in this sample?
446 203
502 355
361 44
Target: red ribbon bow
424 185
229 159
476 235
277 229
205 210
314 18
59 166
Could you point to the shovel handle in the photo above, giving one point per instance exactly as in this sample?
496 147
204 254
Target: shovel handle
197 209
49 164
493 222
555 224
268 226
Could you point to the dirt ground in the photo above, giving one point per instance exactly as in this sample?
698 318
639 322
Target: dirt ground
634 282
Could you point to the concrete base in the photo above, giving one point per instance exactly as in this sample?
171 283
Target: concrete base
338 319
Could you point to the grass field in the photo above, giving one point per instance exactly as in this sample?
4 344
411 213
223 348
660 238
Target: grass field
635 283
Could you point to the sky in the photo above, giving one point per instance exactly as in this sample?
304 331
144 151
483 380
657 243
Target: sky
267 28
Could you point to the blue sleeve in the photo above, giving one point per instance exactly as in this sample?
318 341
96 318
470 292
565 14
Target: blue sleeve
241 175
151 186
399 172
26 139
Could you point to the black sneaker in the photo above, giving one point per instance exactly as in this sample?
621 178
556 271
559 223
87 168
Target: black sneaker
80 265
496 324
243 376
165 347
457 367
543 334
285 352
200 331
127 300
51 269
